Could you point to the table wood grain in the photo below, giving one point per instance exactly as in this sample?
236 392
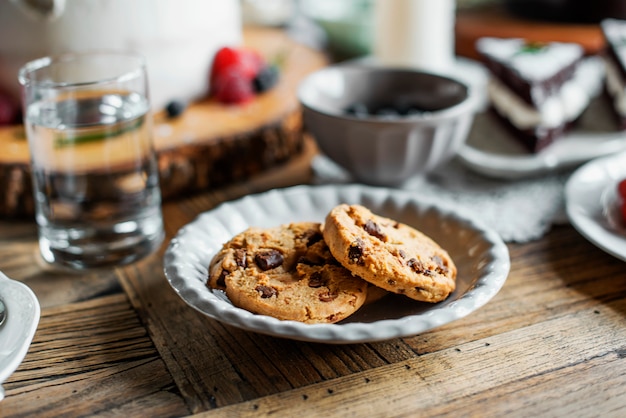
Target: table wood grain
120 342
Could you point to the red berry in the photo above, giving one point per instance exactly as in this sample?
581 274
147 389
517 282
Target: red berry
8 110
621 189
231 86
247 61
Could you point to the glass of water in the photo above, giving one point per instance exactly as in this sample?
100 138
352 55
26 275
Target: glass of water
94 169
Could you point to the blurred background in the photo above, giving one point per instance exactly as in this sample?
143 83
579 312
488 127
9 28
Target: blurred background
345 27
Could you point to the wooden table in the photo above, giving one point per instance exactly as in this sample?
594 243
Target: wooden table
122 343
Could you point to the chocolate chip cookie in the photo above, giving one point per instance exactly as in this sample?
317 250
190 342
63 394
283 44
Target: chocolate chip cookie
286 272
389 254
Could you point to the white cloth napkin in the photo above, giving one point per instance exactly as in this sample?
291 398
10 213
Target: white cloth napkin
520 210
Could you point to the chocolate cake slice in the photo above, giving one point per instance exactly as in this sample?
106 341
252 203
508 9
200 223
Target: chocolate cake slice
539 89
614 32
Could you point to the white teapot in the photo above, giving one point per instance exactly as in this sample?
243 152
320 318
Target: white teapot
178 38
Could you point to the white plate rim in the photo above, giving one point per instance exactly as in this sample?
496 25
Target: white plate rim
583 202
196 295
569 152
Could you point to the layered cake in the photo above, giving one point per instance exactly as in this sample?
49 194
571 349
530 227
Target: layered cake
614 32
539 89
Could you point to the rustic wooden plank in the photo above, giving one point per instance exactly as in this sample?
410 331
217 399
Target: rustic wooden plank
220 365
259 365
89 358
543 284
20 260
130 388
216 365
579 394
548 352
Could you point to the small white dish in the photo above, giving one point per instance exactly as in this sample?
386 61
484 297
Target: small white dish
18 329
481 257
589 199
492 150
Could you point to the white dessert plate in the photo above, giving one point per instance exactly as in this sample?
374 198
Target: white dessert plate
589 199
18 329
492 150
481 257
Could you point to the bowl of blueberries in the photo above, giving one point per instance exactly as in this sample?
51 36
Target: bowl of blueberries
383 125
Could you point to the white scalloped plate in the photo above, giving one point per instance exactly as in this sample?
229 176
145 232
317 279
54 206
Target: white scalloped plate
480 255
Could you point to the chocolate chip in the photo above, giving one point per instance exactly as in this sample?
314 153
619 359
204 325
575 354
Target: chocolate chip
269 259
240 258
221 280
402 253
355 253
266 291
327 296
374 230
419 267
316 280
442 268
416 265
312 260
311 237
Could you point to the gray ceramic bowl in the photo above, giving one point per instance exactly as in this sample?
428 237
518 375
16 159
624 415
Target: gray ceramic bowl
380 150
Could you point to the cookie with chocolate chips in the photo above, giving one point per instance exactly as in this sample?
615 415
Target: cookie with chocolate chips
286 272
389 254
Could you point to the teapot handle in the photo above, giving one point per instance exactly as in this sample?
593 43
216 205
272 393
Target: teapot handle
41 9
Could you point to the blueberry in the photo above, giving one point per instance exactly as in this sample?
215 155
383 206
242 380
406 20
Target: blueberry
388 113
414 111
175 108
266 78
359 110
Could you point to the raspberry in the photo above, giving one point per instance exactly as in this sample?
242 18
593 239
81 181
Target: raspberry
621 189
9 111
232 86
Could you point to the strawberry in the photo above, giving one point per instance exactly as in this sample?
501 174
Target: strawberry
248 61
232 86
239 73
9 111
621 189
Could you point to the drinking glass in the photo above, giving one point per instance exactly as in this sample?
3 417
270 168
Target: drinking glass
89 127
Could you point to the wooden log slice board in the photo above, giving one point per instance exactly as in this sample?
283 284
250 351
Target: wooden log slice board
210 144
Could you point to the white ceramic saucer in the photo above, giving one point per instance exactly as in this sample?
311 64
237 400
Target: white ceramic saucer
18 329
589 198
